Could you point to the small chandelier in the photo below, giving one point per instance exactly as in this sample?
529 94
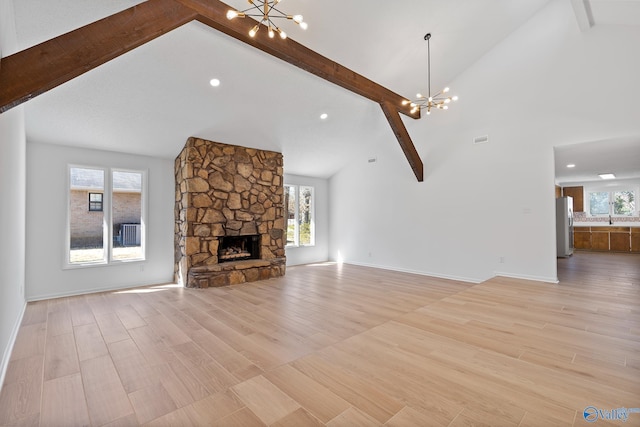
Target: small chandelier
267 11
440 100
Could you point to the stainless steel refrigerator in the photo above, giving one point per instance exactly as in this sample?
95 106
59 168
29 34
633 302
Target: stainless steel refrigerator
564 226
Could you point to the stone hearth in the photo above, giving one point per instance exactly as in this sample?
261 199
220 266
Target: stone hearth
226 190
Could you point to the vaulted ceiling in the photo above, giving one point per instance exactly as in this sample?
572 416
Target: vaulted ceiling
150 100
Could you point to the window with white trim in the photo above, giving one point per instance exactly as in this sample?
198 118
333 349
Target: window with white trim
112 229
614 203
299 202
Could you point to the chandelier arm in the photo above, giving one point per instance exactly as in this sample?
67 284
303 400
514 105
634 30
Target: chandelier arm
252 15
284 15
272 24
244 11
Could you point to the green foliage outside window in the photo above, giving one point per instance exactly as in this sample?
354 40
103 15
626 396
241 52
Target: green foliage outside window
299 203
624 203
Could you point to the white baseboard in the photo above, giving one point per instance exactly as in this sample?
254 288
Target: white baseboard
459 278
12 340
420 273
527 277
77 292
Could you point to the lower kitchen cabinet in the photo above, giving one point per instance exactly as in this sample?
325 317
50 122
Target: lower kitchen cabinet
599 240
635 239
619 242
613 238
582 237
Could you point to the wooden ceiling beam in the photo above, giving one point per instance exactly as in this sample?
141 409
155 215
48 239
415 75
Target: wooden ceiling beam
35 70
213 13
402 135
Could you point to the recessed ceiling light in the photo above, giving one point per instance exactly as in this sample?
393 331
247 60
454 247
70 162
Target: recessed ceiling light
324 116
571 165
214 82
607 176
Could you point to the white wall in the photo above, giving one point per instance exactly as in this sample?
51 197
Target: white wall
320 251
46 223
479 204
12 207
12 230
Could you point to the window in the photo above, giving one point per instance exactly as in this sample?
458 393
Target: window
599 203
624 203
126 214
95 202
86 229
299 201
619 203
112 229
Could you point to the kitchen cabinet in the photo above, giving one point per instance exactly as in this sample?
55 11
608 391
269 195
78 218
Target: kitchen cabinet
582 237
635 239
619 241
578 197
599 240
612 239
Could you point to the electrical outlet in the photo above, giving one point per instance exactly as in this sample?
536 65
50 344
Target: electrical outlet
501 260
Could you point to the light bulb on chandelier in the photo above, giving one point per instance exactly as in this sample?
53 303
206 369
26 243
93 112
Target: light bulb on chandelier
267 12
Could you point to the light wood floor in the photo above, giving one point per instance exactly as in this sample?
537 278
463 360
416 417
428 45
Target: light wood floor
338 346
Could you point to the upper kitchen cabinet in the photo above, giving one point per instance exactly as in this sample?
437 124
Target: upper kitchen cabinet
578 197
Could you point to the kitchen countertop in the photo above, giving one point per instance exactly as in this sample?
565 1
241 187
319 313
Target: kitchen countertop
606 224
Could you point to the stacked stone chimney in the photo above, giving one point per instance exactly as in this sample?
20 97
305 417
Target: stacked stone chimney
226 190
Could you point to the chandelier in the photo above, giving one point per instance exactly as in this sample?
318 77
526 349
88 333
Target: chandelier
440 100
267 11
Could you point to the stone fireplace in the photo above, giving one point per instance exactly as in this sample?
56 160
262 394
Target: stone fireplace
229 214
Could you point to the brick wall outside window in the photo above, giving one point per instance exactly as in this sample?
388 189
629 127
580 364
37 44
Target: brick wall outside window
86 229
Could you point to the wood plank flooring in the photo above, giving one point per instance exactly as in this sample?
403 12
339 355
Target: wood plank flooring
337 346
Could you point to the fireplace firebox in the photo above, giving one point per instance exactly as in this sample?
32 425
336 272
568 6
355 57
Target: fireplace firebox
238 248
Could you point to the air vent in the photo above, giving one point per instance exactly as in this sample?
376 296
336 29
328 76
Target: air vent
483 139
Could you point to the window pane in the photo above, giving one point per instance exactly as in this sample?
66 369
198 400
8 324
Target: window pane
305 215
86 227
624 203
290 203
126 214
599 203
95 201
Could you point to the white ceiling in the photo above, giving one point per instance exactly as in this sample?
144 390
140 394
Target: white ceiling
618 156
150 100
